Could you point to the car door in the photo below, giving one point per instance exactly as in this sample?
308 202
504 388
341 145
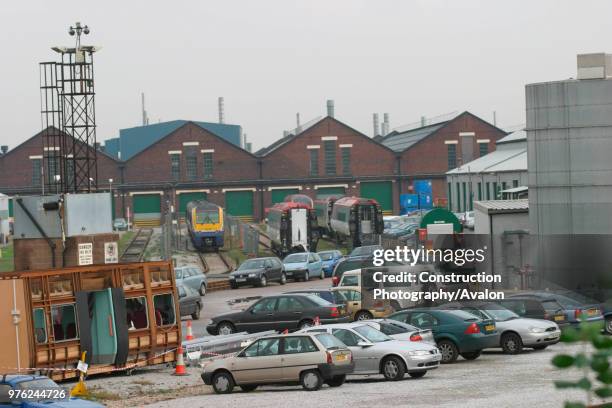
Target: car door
360 354
424 320
261 316
353 300
290 310
189 278
318 264
298 352
258 363
270 271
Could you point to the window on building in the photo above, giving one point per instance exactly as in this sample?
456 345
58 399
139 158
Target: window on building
64 322
69 176
467 149
53 169
346 160
164 309
36 172
464 194
450 197
208 165
191 165
330 157
504 185
452 156
314 162
488 190
495 191
458 197
483 149
479 191
514 183
175 166
136 313
471 195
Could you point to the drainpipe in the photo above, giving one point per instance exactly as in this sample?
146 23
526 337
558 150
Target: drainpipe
398 171
261 188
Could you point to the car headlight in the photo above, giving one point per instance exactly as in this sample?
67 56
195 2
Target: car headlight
252 275
536 329
232 277
418 353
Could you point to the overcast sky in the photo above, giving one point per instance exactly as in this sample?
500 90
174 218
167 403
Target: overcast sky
273 58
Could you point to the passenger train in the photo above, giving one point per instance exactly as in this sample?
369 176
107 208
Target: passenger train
292 227
205 222
357 219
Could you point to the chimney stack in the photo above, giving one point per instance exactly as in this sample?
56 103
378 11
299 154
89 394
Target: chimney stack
330 108
385 124
376 124
221 110
298 128
145 117
3 149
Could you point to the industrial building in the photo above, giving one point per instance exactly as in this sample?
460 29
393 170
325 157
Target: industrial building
496 175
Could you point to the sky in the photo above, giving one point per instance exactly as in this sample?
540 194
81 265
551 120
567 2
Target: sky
270 59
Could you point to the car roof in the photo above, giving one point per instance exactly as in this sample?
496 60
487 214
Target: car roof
352 272
457 313
350 325
309 290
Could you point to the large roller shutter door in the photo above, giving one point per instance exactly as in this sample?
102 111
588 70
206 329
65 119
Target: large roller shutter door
381 191
147 210
185 198
239 204
323 192
278 196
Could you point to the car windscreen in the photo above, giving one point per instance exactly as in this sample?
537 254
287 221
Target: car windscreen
390 329
318 301
364 250
326 256
500 314
178 273
294 258
252 264
372 334
329 341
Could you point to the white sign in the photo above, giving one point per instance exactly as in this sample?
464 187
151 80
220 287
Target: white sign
82 366
111 252
86 254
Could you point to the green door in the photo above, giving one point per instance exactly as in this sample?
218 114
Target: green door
381 191
185 198
147 209
323 192
11 207
239 204
278 196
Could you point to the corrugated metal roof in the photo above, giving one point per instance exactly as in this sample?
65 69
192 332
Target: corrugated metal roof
132 141
498 206
496 161
519 135
402 141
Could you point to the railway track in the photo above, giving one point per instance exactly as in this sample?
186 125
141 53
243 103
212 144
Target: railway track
137 246
214 261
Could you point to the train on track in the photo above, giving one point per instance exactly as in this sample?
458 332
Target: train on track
356 219
205 223
292 227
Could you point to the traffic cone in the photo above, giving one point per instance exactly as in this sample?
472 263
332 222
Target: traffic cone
286 331
317 321
189 331
180 364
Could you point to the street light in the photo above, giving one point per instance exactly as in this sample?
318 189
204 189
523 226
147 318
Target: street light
78 30
90 181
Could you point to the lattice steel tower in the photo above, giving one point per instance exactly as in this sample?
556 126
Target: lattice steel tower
69 118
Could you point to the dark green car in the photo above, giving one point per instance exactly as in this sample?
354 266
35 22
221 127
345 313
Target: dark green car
457 333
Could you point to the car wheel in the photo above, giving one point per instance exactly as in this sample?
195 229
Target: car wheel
311 380
304 324
472 355
263 281
283 279
511 343
540 347
609 325
225 328
202 289
336 381
248 387
322 275
223 383
196 315
449 351
363 315
306 277
234 285
393 368
417 374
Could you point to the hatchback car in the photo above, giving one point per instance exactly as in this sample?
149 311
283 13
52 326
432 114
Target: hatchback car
279 312
376 353
49 394
193 277
307 359
258 272
190 302
575 310
525 306
457 333
330 259
120 224
303 265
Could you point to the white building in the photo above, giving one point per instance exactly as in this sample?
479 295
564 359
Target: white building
499 174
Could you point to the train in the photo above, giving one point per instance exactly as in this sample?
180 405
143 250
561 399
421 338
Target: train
205 223
299 198
357 219
292 227
323 208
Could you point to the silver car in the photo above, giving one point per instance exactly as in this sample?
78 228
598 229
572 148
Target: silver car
191 276
376 353
515 332
402 331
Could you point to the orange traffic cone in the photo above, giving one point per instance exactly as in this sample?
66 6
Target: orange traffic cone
180 364
189 331
317 321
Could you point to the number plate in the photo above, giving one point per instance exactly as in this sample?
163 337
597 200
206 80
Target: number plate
241 280
559 318
341 357
490 327
592 312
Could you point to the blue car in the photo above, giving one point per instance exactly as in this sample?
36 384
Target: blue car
330 259
303 265
34 391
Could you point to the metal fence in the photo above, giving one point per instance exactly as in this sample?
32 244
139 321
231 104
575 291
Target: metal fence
241 235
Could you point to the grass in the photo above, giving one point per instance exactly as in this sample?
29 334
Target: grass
124 240
6 260
96 394
325 245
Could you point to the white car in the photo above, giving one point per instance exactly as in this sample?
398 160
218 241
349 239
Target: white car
402 331
376 353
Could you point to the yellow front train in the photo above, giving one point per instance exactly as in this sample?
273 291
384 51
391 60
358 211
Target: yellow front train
205 224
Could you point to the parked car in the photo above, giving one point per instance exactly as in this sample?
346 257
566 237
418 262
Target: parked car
190 302
279 312
330 259
401 331
575 310
364 251
327 294
401 230
457 333
515 332
376 353
50 394
120 224
468 220
307 359
303 265
353 263
258 272
193 277
534 308
357 309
